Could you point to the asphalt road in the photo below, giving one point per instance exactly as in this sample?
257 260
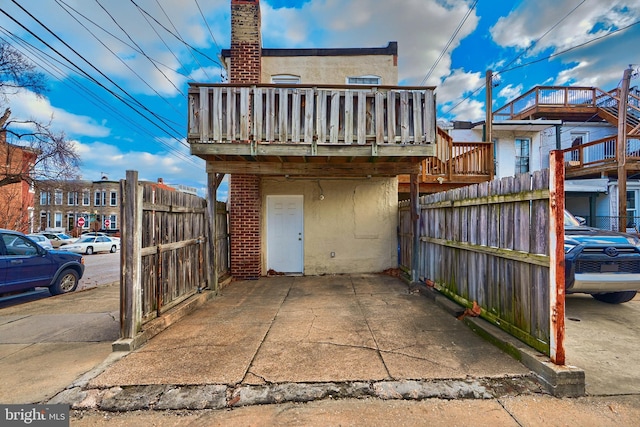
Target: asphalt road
100 270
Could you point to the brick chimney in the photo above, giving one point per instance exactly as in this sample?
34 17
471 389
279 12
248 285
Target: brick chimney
246 42
244 190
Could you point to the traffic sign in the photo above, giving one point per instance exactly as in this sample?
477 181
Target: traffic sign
107 223
81 222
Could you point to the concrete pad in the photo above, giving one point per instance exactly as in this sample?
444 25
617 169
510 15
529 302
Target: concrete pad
321 328
37 372
311 362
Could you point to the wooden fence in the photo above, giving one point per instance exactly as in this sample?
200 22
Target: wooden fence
491 245
165 253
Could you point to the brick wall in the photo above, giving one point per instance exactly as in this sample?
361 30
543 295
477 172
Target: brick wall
244 226
244 190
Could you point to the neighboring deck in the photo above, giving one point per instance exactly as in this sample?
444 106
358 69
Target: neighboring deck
583 104
312 130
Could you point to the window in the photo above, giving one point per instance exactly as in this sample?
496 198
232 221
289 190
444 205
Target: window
58 220
631 209
85 216
100 198
45 197
522 155
72 198
104 198
113 224
285 79
364 80
96 199
57 197
86 198
114 198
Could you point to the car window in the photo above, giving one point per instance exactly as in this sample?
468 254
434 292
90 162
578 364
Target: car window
86 239
19 245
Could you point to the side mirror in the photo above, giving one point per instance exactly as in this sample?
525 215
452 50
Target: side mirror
581 220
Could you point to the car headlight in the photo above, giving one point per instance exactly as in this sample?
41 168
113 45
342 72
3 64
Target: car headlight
568 247
633 241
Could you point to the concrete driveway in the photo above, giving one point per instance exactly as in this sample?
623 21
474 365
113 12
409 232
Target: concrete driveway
604 340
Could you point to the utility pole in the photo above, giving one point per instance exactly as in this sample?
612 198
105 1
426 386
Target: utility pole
488 106
621 150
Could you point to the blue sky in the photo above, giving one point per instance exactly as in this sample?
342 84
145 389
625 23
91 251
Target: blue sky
118 69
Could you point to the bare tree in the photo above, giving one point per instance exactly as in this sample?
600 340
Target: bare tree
49 155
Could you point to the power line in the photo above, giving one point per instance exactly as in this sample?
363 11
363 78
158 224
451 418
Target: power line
451 39
92 66
126 65
141 50
542 36
553 55
83 73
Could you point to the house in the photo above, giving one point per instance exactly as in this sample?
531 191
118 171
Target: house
17 195
584 123
314 140
74 206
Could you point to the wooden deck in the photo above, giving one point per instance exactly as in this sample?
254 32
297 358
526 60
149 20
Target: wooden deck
303 130
455 164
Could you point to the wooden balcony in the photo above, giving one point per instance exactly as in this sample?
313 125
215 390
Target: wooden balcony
554 102
455 164
599 158
311 130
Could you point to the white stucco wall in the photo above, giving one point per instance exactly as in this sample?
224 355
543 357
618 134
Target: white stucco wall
357 219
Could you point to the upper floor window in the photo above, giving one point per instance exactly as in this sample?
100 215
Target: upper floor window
57 197
113 198
86 198
72 198
45 197
100 198
364 80
285 79
522 155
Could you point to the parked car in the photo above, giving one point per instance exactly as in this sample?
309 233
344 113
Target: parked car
603 263
41 240
91 244
97 233
57 239
25 265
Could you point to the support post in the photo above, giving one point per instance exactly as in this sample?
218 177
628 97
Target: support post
621 150
415 226
130 257
212 271
556 253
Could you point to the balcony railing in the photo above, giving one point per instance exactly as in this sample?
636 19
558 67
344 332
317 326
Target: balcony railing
600 155
454 163
312 115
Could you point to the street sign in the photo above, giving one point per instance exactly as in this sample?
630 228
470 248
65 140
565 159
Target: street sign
81 222
107 223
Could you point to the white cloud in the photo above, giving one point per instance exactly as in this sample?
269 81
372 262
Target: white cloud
422 29
510 92
25 105
100 158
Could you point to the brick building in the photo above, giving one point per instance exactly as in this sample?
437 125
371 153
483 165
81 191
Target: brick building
17 198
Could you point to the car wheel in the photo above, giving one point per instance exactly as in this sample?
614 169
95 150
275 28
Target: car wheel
113 249
89 250
615 297
67 282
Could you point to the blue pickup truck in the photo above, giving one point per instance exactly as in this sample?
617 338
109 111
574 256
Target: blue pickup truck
25 265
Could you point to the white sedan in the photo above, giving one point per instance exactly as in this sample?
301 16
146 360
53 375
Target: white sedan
91 244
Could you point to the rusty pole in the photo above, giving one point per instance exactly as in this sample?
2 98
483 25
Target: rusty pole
556 254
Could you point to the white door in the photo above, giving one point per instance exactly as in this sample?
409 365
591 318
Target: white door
285 239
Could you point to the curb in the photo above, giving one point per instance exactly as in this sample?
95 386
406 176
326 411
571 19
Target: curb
558 380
